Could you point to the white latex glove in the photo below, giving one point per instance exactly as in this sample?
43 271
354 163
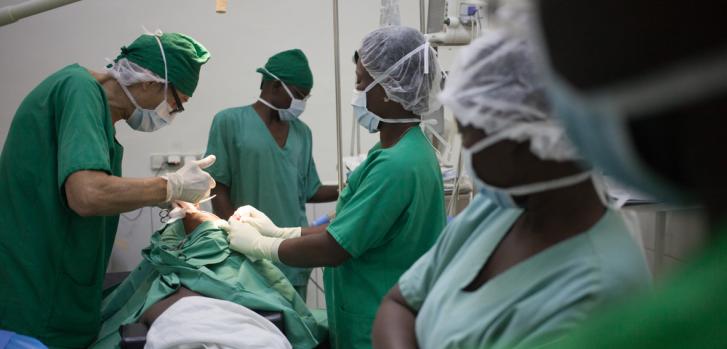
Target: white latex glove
245 239
190 183
263 224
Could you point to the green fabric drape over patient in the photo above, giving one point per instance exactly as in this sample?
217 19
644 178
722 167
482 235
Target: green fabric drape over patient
202 262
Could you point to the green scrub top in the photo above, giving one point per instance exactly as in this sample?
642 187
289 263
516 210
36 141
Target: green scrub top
203 262
53 260
687 311
390 213
537 300
277 181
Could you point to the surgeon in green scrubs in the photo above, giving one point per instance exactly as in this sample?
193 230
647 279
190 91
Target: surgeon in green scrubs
392 210
658 126
536 253
265 152
61 184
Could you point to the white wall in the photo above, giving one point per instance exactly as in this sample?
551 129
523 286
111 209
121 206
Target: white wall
240 41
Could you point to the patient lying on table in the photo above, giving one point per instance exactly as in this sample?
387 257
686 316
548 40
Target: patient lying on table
191 288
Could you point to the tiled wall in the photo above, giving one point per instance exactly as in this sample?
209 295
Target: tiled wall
668 236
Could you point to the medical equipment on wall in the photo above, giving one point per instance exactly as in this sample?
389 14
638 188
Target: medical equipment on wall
456 23
453 23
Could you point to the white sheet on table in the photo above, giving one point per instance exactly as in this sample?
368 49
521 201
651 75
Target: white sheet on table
202 322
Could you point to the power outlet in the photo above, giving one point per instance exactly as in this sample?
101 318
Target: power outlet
157 161
174 160
171 161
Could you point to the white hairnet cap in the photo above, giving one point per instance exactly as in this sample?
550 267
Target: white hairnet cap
410 78
495 86
128 73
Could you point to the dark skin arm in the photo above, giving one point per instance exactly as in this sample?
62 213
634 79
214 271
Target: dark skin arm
156 310
313 230
313 250
221 204
325 193
394 324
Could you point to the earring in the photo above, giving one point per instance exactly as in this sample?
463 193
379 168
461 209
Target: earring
386 99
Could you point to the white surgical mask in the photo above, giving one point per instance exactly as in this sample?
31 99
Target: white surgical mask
297 106
149 120
503 197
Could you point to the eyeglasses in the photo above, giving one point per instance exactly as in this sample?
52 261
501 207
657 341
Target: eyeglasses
298 94
177 101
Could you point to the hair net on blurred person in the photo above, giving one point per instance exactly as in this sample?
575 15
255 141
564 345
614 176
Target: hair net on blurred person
403 63
495 86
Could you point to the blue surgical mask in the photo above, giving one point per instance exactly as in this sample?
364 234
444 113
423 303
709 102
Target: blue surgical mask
503 197
297 106
368 119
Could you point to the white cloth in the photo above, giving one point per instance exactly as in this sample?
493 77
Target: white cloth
202 322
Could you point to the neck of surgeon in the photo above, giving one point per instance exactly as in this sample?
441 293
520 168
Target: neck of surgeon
391 133
117 100
270 96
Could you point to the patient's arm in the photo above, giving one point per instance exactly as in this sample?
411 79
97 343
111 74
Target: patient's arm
192 219
156 310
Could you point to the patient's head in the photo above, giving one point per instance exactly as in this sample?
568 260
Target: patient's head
194 216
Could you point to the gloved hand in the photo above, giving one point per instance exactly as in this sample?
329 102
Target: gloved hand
245 239
190 183
263 224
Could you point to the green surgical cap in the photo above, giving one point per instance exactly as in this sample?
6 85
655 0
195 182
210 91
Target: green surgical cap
291 67
185 57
